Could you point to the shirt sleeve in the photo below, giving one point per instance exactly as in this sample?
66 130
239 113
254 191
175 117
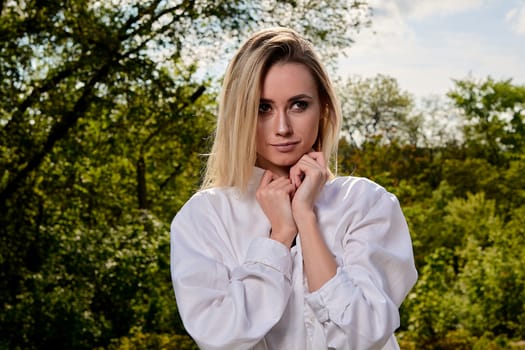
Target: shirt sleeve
359 306
222 307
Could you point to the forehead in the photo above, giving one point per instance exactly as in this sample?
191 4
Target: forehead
288 78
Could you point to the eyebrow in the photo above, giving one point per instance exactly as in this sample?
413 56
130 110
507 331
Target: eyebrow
293 98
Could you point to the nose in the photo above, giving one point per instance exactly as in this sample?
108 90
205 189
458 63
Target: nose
284 127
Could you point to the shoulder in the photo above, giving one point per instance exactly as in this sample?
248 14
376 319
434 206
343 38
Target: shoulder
197 221
355 183
209 197
356 197
214 221
355 189
210 204
200 204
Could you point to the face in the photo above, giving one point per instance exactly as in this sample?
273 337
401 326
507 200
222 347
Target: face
288 120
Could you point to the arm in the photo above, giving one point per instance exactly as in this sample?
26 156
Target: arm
309 176
287 216
319 263
225 308
358 307
356 299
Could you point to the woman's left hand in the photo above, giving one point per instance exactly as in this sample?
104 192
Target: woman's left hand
308 176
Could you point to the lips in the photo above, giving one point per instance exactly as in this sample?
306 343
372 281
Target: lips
285 146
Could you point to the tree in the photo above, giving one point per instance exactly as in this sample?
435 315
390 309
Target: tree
81 47
103 123
495 112
375 107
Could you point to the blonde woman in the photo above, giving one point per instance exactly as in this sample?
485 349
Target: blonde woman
274 252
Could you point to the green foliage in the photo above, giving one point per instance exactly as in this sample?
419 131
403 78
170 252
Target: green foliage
140 341
103 127
433 304
95 285
464 203
494 111
103 123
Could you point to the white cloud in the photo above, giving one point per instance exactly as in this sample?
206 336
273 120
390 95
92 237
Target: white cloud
422 9
516 18
428 8
425 63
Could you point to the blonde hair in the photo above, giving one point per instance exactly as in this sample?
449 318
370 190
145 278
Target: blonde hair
234 153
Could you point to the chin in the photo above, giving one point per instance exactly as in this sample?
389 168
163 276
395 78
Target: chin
288 161
283 160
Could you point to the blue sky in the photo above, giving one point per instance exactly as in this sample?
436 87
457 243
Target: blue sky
425 44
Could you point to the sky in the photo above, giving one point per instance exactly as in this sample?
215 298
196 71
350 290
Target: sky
425 44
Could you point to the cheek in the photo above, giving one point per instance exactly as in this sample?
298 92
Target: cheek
312 129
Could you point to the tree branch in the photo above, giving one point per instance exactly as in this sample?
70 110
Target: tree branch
198 93
37 92
58 132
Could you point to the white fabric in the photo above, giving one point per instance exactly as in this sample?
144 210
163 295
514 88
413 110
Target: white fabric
238 289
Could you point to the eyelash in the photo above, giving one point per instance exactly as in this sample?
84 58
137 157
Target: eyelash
301 105
261 105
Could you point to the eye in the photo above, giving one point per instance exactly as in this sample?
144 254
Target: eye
264 107
300 105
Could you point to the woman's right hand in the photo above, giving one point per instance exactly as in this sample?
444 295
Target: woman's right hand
274 195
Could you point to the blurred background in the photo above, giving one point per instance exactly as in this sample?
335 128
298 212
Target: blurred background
107 109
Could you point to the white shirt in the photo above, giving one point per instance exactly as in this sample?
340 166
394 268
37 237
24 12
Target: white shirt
238 289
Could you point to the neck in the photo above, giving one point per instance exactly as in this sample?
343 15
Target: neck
279 171
284 172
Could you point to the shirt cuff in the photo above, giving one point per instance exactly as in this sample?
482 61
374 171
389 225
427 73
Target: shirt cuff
271 253
333 297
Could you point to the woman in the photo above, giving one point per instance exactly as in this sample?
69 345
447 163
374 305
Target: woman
274 252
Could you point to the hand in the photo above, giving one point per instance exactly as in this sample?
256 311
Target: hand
308 176
274 196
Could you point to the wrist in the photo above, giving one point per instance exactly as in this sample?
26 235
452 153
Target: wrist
284 236
305 219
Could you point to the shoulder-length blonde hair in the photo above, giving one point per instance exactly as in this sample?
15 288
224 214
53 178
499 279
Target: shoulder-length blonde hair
234 153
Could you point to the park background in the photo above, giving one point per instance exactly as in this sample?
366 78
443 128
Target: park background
107 108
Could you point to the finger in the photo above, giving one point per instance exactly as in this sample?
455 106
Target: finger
308 166
285 185
277 189
315 162
276 182
276 177
290 189
318 157
296 174
266 178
